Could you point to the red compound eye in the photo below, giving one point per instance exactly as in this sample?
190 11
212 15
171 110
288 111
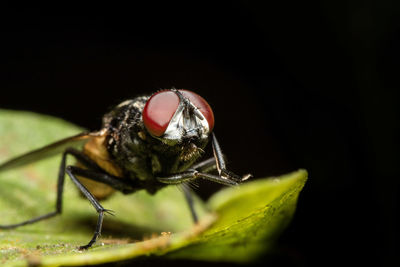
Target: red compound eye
202 105
161 106
158 111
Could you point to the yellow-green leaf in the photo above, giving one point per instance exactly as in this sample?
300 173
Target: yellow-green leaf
237 224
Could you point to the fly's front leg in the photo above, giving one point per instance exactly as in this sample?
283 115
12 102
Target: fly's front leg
221 165
206 166
200 170
189 175
192 174
218 163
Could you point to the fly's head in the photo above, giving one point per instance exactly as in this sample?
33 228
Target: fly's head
180 119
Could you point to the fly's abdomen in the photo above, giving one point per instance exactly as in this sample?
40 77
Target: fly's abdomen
96 150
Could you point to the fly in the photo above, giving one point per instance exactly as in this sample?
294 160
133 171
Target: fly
145 143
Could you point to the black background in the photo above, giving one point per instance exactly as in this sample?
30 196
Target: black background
293 85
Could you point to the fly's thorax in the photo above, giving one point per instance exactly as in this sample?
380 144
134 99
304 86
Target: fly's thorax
130 152
125 126
126 114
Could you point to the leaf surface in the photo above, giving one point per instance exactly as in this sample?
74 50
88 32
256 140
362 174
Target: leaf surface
237 224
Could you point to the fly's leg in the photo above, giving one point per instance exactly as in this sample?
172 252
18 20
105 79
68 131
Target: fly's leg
99 176
221 165
189 199
218 162
192 174
36 219
200 170
95 174
60 189
206 166
72 171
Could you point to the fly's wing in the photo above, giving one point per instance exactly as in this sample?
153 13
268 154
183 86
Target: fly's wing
47 151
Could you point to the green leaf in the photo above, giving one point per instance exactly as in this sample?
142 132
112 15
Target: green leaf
237 224
250 218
